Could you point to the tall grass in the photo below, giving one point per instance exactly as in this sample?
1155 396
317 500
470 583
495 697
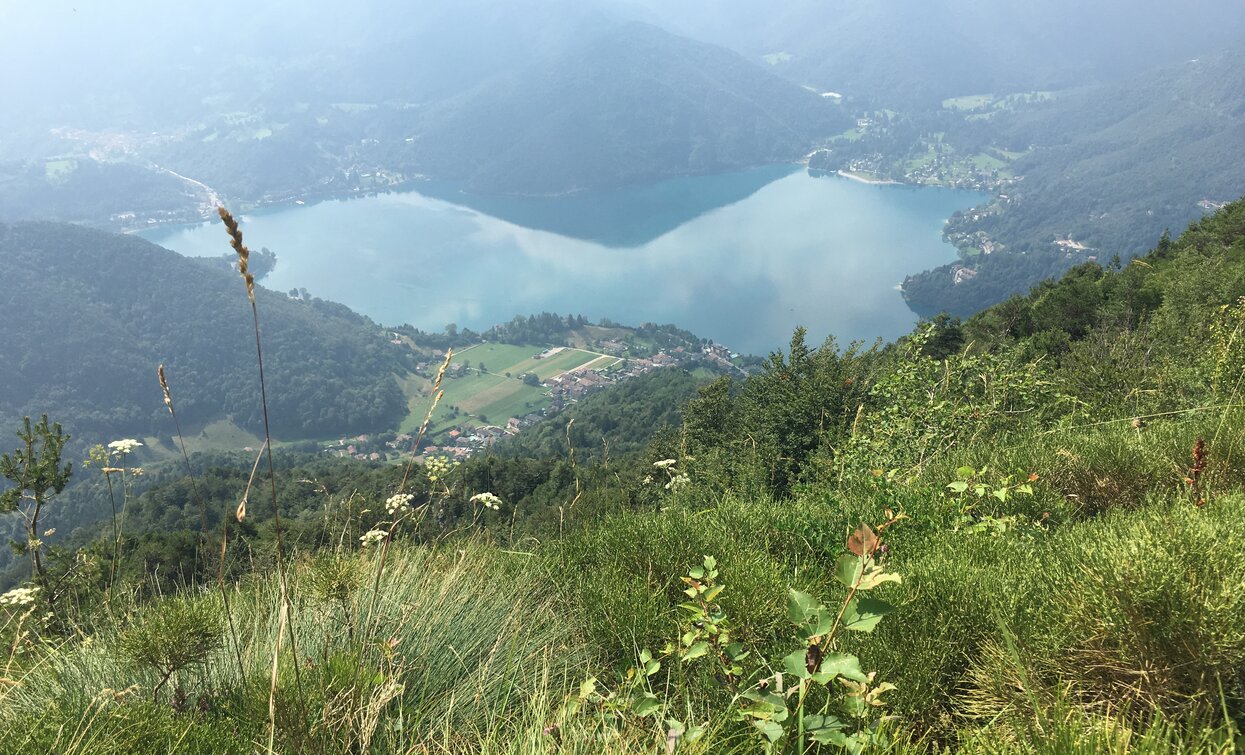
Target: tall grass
471 645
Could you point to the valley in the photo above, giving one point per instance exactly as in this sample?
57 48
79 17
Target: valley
622 377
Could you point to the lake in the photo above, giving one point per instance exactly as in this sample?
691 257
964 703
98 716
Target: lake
741 258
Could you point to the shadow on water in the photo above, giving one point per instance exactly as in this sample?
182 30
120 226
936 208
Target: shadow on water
627 217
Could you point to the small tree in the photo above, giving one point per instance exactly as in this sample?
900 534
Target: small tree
36 472
177 634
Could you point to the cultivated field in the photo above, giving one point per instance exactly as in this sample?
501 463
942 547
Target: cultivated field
494 394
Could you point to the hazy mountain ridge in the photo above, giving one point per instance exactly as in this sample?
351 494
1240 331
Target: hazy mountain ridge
633 104
908 52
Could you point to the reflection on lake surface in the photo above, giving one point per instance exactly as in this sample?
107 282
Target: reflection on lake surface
741 258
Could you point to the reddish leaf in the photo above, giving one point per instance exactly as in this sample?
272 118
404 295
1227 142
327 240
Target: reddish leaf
862 542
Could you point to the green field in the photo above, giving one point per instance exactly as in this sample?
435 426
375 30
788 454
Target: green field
220 435
551 366
488 396
59 168
970 102
497 357
988 162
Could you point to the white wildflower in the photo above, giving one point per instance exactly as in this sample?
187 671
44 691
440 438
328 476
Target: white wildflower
373 537
665 463
19 596
678 480
487 500
648 479
124 446
399 503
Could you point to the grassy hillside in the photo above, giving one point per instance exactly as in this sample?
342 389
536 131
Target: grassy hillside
1053 494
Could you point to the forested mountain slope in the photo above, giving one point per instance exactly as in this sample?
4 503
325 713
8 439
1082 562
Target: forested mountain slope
88 315
1109 168
630 104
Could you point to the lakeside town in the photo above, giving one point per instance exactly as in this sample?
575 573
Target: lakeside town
613 361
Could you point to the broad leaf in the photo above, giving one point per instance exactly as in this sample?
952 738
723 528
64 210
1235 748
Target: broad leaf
795 665
874 575
770 730
863 542
646 704
588 686
863 613
848 568
800 605
840 664
696 651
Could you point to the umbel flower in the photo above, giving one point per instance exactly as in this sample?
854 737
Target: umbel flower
678 481
487 500
372 537
400 503
439 467
19 596
124 446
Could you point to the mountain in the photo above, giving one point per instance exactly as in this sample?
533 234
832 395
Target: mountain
909 52
632 104
1106 170
88 315
538 97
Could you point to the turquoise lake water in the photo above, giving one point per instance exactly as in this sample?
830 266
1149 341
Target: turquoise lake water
741 258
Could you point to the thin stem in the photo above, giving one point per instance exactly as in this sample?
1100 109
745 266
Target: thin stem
276 513
224 594
116 536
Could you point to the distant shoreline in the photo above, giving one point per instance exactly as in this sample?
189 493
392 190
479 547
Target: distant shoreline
871 181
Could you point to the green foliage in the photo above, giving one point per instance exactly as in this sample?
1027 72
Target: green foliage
179 634
35 472
90 355
616 422
926 407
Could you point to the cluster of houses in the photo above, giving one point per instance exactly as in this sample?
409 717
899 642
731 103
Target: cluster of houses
371 447
463 441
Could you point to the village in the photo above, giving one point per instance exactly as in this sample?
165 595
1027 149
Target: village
469 433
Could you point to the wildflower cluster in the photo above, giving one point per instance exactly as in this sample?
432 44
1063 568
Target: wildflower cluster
487 500
372 537
674 477
19 596
399 504
124 446
439 467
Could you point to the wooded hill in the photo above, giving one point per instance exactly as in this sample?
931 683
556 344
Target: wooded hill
1109 167
89 315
